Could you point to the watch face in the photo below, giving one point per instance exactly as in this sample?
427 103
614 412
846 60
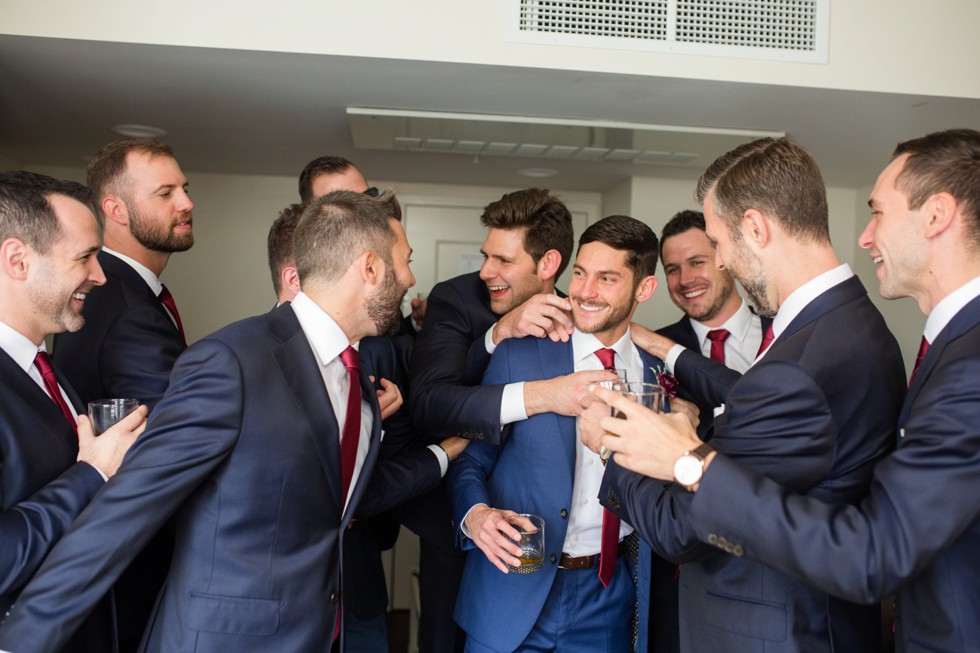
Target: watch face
687 470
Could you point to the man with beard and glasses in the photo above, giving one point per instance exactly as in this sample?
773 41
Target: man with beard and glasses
583 597
262 449
51 466
133 333
793 416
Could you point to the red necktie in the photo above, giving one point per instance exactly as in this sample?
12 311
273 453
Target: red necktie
923 348
43 363
718 338
610 522
352 424
168 300
767 339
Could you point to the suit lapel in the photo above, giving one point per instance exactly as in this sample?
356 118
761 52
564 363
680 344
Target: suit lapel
832 298
120 269
967 319
300 369
46 413
556 359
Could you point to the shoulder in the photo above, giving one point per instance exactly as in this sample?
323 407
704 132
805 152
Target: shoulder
678 328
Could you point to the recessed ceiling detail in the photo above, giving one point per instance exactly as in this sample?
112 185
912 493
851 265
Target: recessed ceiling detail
552 139
789 30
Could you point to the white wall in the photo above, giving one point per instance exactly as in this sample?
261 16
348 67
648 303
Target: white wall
899 46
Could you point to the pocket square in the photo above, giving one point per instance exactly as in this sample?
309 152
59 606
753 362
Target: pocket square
718 410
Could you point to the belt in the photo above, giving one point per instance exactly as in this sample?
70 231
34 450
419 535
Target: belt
587 562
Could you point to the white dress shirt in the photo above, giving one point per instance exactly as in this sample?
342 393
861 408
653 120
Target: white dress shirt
949 306
23 351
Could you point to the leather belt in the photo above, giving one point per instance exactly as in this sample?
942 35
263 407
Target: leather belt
587 562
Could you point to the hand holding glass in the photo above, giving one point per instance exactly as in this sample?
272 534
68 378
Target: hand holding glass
106 412
531 528
648 395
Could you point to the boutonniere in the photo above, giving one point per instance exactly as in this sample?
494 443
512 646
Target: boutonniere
667 381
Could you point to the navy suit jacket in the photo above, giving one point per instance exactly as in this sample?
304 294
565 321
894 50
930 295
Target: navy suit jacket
448 364
917 533
532 472
42 489
244 450
815 414
129 343
683 333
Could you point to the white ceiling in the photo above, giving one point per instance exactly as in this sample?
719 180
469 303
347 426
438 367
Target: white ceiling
269 113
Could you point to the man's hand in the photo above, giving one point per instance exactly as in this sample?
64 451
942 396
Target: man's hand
418 311
542 315
389 398
645 442
454 446
562 394
650 342
688 409
106 452
490 530
594 409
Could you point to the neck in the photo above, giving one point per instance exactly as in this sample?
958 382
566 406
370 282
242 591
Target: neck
728 309
155 261
22 320
940 278
797 264
336 302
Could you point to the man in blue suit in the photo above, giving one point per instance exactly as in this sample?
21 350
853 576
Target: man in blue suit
48 472
791 416
918 531
263 448
583 598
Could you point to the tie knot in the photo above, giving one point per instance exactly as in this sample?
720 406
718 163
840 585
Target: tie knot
165 295
350 359
718 335
923 348
43 363
607 357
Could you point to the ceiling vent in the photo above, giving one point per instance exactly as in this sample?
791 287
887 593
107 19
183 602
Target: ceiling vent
554 139
784 30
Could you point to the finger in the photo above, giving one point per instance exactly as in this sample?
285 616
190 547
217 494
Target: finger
84 429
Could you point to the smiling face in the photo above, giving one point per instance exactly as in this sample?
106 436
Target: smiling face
63 277
602 292
511 275
890 237
696 285
160 211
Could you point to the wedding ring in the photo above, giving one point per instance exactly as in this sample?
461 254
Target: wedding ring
604 453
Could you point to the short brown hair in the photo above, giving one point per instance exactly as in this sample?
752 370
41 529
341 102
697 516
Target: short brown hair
946 161
629 235
772 175
106 172
336 228
280 242
546 222
25 208
324 165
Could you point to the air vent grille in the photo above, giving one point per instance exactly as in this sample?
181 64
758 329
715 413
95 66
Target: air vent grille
793 30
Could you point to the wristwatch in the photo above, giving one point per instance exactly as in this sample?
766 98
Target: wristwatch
690 466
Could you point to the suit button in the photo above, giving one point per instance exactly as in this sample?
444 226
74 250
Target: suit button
721 543
333 597
564 514
554 558
737 551
614 504
729 547
712 539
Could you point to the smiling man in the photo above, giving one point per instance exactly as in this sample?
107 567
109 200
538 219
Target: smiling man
583 598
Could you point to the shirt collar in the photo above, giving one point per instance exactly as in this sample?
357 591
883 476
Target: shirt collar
18 346
586 344
145 273
949 306
737 325
802 296
325 336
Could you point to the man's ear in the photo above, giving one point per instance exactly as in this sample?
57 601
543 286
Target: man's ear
290 279
370 268
940 211
548 265
115 210
645 289
756 228
15 256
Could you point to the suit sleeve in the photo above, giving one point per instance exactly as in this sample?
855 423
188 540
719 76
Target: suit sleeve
923 497
707 382
29 529
778 424
447 398
138 354
188 436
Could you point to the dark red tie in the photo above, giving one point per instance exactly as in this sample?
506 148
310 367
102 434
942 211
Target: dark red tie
923 348
168 300
767 339
610 522
43 363
352 424
718 338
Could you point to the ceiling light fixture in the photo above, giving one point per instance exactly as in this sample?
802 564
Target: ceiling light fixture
133 130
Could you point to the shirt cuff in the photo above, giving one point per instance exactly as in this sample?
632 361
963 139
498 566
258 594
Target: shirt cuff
512 407
672 356
441 456
101 473
462 525
488 339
